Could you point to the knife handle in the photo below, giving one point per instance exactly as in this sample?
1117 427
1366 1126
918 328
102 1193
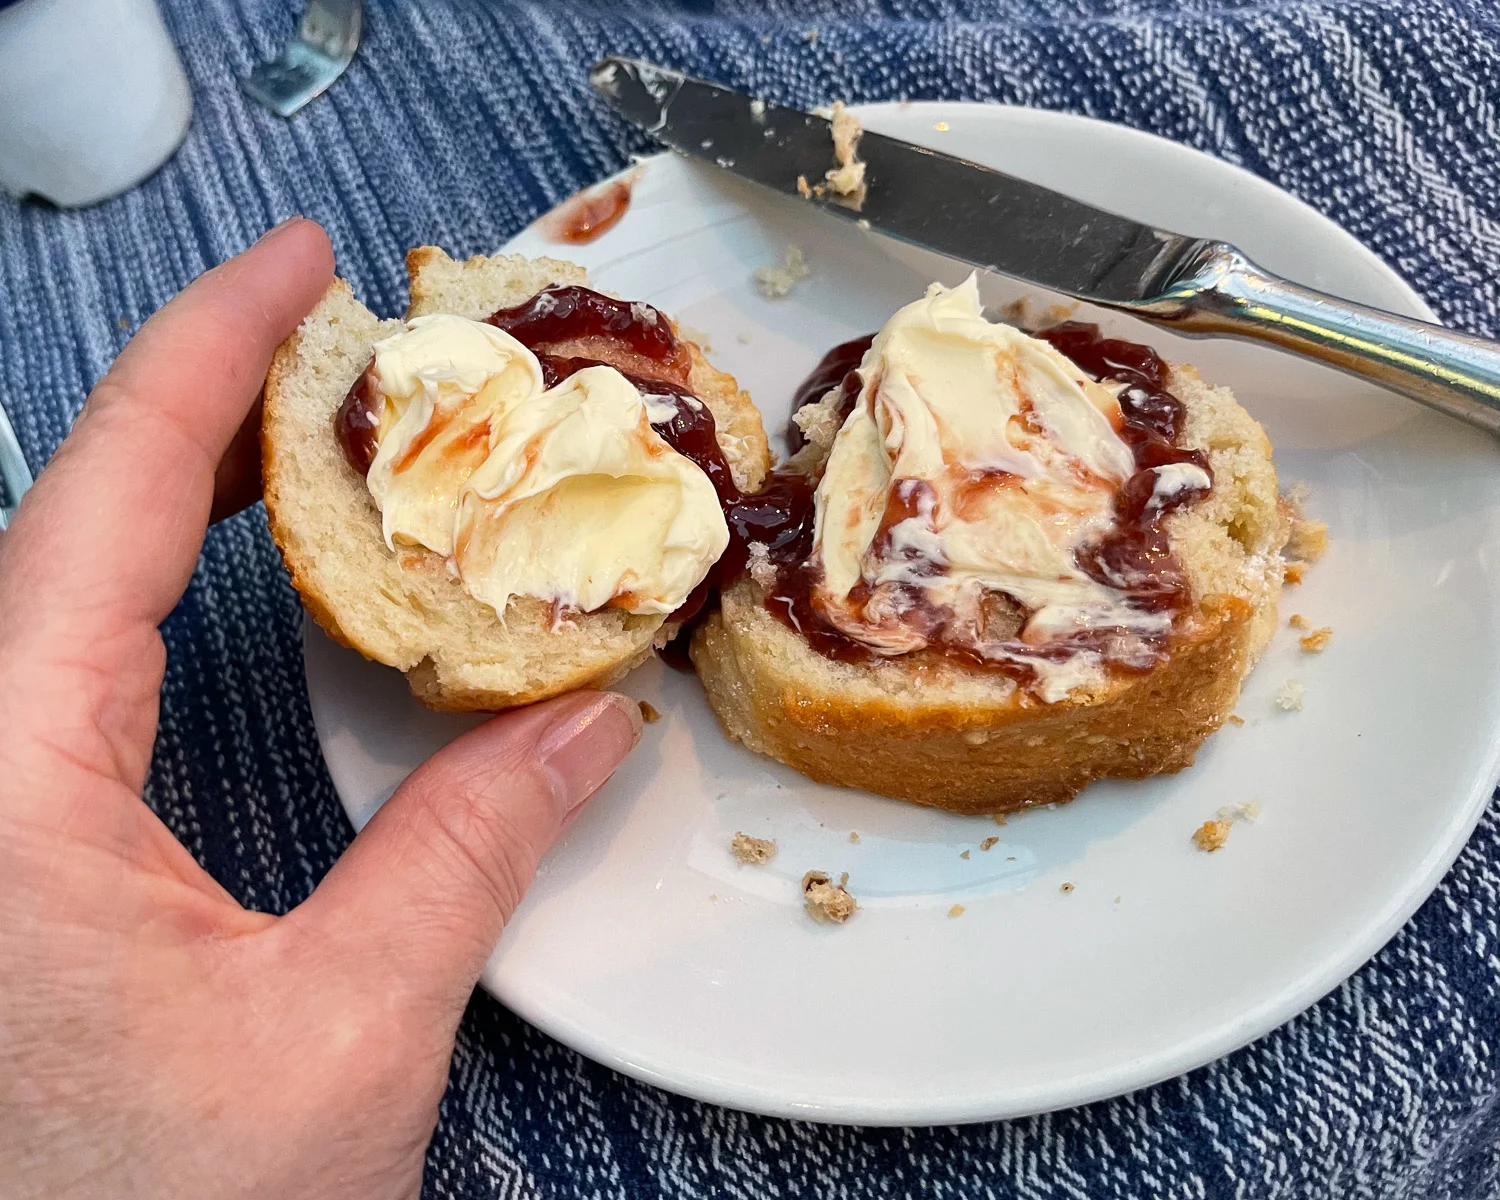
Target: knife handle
1227 294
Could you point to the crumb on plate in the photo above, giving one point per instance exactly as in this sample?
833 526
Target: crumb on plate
1289 696
825 900
1309 540
1245 810
752 850
1066 888
989 843
1209 836
998 818
956 911
1292 572
965 854
1236 719
1298 621
854 837
649 713
1316 641
778 281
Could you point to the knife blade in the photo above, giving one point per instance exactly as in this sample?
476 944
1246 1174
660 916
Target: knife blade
934 200
967 211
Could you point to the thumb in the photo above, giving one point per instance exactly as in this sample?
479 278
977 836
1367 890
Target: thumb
424 891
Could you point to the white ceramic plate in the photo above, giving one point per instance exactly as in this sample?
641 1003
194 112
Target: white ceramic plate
645 946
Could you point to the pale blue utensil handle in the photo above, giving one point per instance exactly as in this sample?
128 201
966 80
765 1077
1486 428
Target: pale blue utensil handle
15 476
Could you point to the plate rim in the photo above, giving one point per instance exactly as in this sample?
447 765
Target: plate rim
1131 1075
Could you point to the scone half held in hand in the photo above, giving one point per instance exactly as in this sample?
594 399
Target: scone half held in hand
406 607
934 729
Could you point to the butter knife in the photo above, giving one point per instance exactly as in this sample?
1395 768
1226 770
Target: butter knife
1194 286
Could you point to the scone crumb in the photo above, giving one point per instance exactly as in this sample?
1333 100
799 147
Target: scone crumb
863 224
1289 696
956 911
649 713
1236 719
998 818
761 568
847 179
965 854
1292 572
819 422
1309 540
825 900
802 189
778 281
752 850
1245 810
1317 641
989 843
1298 621
1209 836
1066 888
854 837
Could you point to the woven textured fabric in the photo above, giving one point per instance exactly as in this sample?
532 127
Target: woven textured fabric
458 124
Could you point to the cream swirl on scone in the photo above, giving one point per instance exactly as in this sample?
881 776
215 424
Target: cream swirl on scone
961 495
566 494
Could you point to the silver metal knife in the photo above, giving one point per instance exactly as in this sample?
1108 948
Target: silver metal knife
15 477
993 220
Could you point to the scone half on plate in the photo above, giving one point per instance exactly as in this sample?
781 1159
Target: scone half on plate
488 495
1002 572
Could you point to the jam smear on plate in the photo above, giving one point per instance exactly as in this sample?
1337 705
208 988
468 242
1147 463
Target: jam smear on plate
591 214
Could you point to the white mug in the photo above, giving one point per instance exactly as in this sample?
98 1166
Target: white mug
93 97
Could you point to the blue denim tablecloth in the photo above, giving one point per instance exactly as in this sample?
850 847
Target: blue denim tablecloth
459 123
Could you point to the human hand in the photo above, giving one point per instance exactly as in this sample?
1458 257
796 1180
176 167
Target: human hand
156 1039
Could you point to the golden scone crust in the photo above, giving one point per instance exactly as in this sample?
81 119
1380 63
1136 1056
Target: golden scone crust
404 608
941 733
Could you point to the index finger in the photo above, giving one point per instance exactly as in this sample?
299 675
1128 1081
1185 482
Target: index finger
108 537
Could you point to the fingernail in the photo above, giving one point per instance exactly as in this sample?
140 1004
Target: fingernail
279 226
583 744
